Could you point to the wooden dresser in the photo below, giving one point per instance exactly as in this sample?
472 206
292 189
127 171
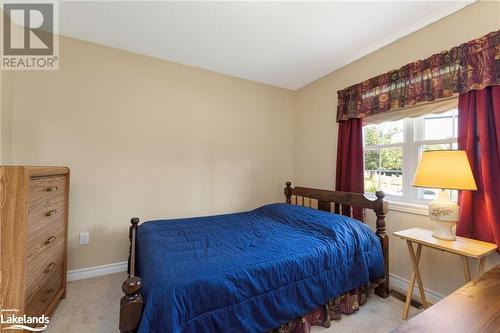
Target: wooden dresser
474 308
33 235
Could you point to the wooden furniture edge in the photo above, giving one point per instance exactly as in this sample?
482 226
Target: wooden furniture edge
18 232
12 288
471 308
350 200
40 171
402 235
132 303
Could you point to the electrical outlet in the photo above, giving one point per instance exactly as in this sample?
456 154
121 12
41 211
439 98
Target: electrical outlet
84 238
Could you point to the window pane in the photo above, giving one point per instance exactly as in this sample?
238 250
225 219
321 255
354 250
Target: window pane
391 182
454 195
392 132
391 159
431 194
371 181
372 135
438 126
372 157
385 133
391 178
428 193
372 164
440 146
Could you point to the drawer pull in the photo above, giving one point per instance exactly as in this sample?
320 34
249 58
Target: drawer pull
50 267
52 212
50 240
52 189
47 294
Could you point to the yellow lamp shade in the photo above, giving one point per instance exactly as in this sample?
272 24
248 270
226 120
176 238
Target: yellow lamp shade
444 169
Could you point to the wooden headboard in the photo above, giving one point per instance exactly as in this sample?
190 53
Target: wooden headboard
346 203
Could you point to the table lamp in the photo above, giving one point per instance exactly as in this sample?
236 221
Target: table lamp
444 169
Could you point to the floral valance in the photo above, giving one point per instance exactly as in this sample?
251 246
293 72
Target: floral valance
470 66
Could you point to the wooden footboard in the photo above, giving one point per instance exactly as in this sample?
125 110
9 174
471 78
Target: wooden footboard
343 203
132 302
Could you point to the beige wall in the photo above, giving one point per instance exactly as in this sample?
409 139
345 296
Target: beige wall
316 137
147 138
1 103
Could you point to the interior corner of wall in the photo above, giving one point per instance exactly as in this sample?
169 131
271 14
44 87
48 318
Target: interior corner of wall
1 113
5 118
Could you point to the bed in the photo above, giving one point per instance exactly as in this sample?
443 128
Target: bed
252 271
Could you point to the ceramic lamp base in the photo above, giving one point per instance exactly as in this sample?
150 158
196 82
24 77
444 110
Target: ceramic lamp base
444 212
444 230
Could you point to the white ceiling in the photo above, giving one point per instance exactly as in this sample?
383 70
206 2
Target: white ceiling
284 44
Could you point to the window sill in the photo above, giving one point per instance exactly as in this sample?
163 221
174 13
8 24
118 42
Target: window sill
409 208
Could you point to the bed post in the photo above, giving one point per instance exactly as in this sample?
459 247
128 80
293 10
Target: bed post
131 304
381 210
288 192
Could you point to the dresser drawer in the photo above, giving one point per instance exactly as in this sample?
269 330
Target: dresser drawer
44 266
38 301
46 195
42 228
46 202
43 231
46 189
44 243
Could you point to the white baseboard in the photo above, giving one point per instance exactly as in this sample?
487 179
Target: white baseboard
89 272
400 285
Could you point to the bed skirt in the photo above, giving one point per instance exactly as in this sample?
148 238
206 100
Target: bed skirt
347 303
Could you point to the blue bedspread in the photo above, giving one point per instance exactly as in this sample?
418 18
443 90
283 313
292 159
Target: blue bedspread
251 271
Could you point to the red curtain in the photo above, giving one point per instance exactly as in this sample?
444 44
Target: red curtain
349 175
479 136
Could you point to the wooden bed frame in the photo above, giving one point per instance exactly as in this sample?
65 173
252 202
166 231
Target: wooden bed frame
132 302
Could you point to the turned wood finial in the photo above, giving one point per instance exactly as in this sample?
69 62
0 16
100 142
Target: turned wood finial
135 224
288 192
131 305
381 209
132 285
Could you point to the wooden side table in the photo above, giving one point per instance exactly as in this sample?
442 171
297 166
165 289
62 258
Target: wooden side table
464 247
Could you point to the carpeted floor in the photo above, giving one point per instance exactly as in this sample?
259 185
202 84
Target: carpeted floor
92 305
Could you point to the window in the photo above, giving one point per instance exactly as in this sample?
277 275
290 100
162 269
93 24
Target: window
392 150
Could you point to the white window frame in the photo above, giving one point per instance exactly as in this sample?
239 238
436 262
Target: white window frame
413 140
